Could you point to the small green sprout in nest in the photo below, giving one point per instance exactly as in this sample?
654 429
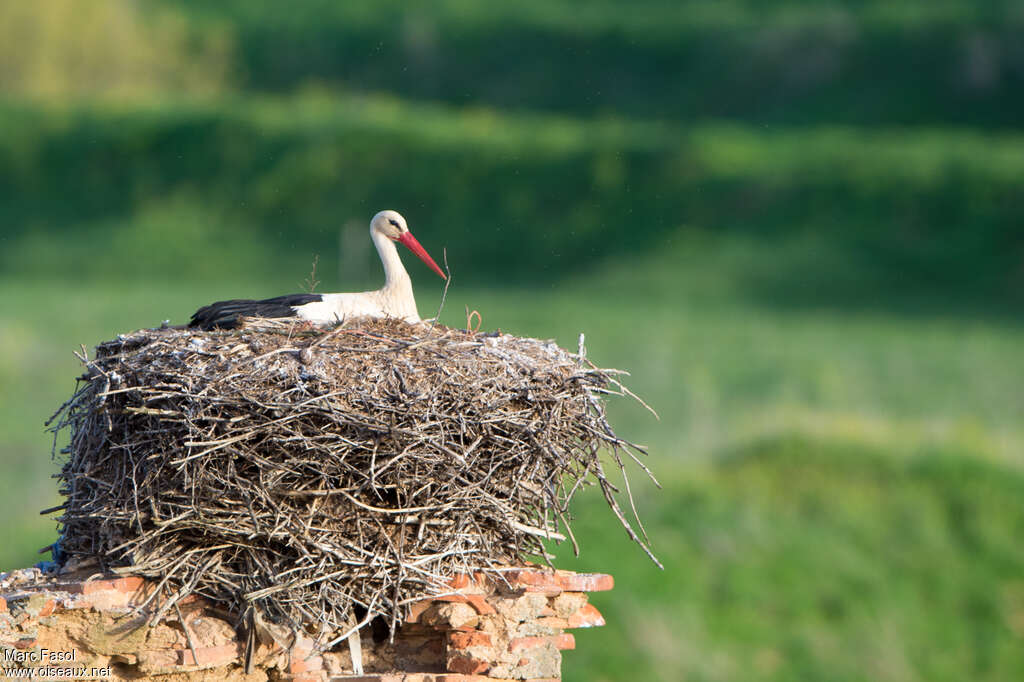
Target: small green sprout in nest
320 477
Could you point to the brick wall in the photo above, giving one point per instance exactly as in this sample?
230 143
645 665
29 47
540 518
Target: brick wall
511 626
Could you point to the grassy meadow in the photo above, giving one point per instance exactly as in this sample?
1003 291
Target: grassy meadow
840 489
797 225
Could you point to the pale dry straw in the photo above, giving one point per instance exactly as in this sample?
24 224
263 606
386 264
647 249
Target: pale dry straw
319 478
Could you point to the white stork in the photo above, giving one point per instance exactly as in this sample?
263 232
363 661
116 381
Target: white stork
394 299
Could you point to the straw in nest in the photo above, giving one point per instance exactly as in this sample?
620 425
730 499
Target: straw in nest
320 478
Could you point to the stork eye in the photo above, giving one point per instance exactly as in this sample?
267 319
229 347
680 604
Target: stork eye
393 222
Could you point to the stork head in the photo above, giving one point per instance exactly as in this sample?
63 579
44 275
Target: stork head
392 225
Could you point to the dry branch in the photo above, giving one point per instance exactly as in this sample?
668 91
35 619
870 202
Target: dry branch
305 472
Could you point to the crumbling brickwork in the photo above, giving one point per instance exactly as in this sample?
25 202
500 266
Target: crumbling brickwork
509 626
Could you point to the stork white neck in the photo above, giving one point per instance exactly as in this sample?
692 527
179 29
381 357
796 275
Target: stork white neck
394 272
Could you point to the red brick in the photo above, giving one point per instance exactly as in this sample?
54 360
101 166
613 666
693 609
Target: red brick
3 605
301 658
459 581
431 677
585 582
302 663
434 677
539 580
534 581
464 640
563 641
47 608
211 656
477 601
552 622
586 617
393 677
127 584
106 600
467 665
462 581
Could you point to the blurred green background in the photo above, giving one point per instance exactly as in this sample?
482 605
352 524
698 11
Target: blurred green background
798 223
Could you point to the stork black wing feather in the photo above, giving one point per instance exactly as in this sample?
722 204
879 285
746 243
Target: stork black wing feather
225 314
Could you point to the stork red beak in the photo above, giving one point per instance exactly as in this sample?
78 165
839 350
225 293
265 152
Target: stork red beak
415 247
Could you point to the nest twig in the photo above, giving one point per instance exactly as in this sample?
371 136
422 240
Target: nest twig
305 473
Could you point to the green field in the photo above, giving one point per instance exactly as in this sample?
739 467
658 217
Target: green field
797 224
841 490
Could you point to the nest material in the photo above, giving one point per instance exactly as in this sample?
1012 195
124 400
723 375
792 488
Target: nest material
320 477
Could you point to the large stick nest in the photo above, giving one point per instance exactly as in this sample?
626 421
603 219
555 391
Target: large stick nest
317 476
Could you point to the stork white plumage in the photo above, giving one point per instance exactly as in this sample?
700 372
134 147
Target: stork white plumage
394 299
